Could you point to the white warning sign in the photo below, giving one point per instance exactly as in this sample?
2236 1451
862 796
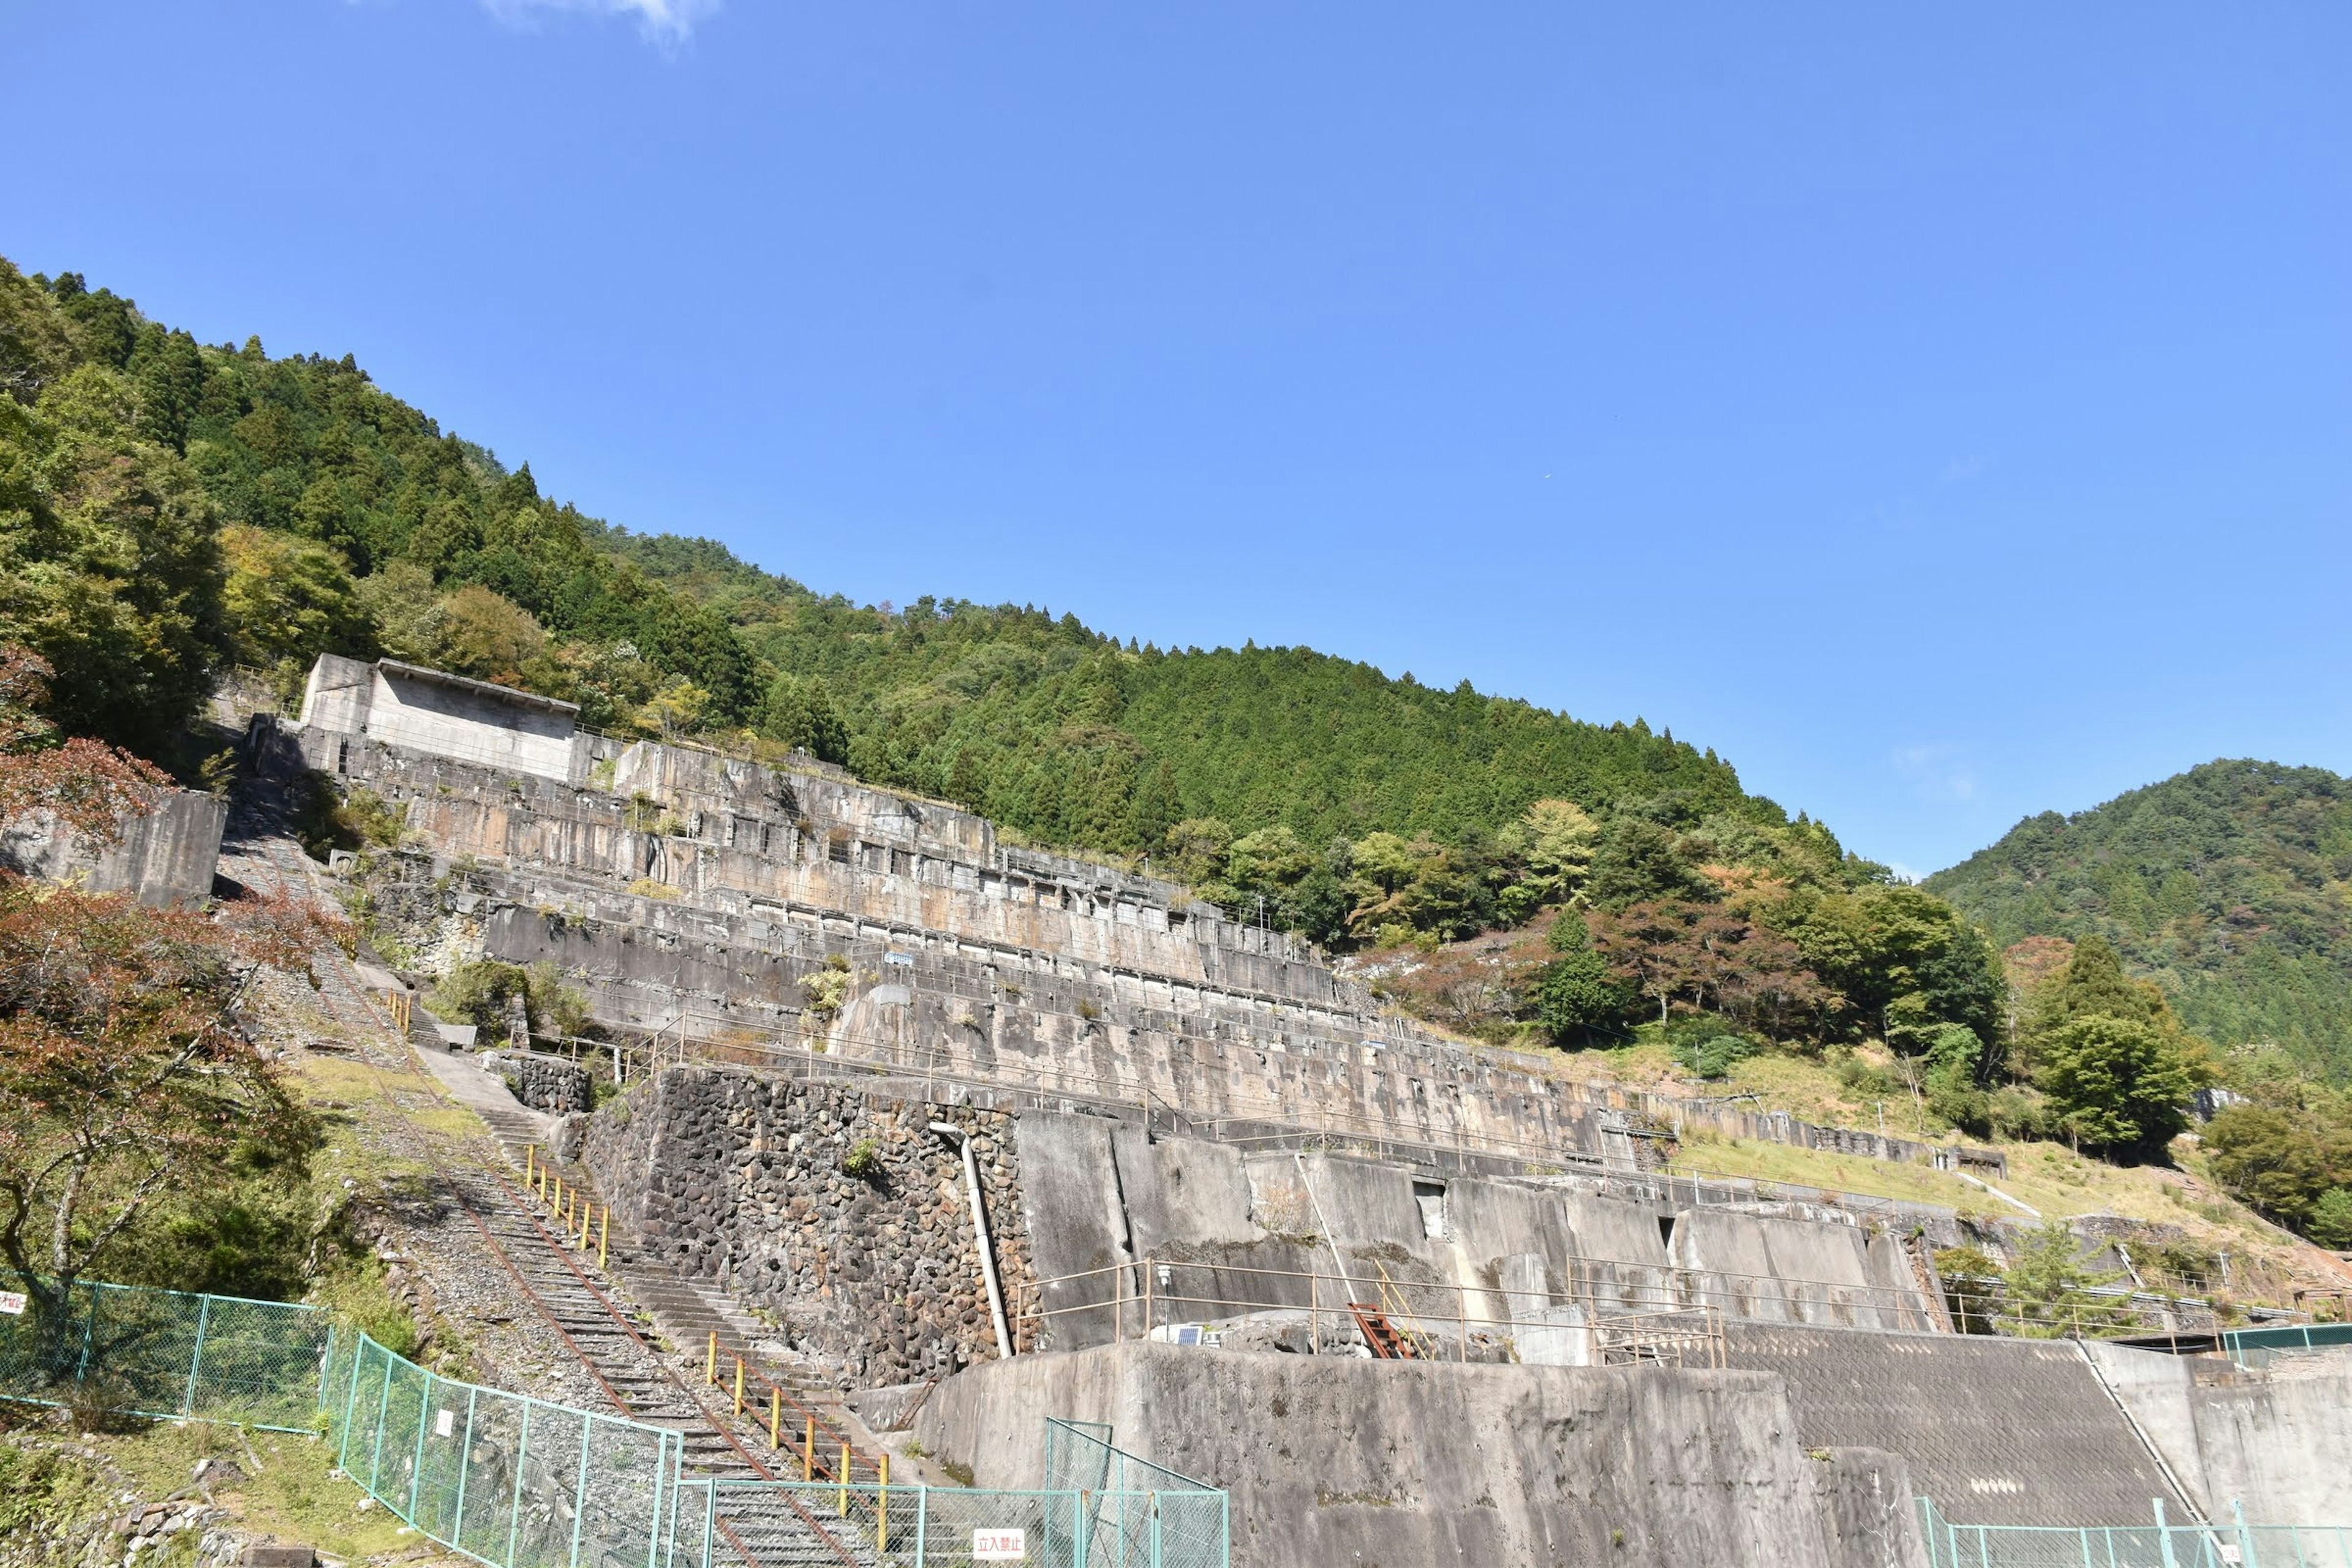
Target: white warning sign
1000 1545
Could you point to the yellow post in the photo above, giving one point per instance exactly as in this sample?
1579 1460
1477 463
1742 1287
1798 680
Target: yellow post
557 1200
882 1506
710 1372
739 1385
808 1452
775 1416
586 1210
530 1163
604 1235
844 1481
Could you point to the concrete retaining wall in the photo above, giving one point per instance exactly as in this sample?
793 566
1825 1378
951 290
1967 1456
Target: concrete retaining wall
166 858
1341 1463
1995 1431
2274 1441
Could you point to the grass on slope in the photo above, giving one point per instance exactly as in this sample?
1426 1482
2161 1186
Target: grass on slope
2048 1177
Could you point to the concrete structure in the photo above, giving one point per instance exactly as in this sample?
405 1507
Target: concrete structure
1151 1087
166 858
2273 1440
690 892
1387 1465
446 715
1997 1431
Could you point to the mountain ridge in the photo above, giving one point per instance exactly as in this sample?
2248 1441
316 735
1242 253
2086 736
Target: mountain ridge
2230 883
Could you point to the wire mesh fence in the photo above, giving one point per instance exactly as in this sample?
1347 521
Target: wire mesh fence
1139 1512
727 1523
2156 1544
165 1355
513 1480
516 1482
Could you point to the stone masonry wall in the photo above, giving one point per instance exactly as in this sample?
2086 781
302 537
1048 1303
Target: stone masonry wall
840 1212
543 1083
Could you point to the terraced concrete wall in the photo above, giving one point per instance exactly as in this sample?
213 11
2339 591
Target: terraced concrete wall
705 907
1099 1194
1339 1463
1997 1431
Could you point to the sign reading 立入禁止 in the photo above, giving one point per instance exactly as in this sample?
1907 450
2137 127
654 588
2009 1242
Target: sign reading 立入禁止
12 1303
1000 1546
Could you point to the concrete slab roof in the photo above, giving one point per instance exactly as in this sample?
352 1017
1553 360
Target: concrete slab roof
488 688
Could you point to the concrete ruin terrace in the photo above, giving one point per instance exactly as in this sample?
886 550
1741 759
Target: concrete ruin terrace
963 1135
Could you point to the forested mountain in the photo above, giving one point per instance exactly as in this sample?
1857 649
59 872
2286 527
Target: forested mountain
2228 884
175 506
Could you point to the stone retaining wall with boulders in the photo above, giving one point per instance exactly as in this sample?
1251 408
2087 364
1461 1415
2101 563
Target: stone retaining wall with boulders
838 1210
543 1083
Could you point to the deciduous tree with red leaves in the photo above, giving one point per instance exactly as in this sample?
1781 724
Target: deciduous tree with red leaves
125 1071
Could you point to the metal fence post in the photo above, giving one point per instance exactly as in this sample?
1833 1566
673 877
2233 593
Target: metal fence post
2164 1535
1154 1500
580 1491
2245 1536
196 1357
350 1395
423 1423
922 1519
464 1471
383 1413
514 1509
654 1520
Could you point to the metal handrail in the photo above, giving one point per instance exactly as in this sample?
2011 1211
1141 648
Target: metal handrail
1669 1323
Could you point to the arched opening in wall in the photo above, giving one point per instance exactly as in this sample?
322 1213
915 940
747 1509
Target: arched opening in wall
1429 1198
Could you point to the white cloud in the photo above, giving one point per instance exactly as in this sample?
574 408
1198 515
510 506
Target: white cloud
664 22
1959 471
1904 873
1937 773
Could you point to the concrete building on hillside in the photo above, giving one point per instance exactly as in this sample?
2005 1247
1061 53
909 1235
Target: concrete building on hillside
446 715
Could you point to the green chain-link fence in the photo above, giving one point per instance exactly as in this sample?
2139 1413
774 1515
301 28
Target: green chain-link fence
513 1480
1140 1512
165 1355
2156 1544
722 1523
516 1482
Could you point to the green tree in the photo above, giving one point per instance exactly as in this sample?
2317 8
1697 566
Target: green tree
1577 997
288 598
2331 1220
2281 1160
1635 861
109 564
801 713
2052 1295
1196 848
1552 843
2120 1084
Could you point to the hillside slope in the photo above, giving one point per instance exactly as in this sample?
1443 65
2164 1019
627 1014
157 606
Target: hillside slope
282 507
2231 884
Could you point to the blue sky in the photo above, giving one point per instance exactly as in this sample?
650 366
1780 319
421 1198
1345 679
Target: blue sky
1945 415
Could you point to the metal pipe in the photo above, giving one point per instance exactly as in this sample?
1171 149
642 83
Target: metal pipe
980 1236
